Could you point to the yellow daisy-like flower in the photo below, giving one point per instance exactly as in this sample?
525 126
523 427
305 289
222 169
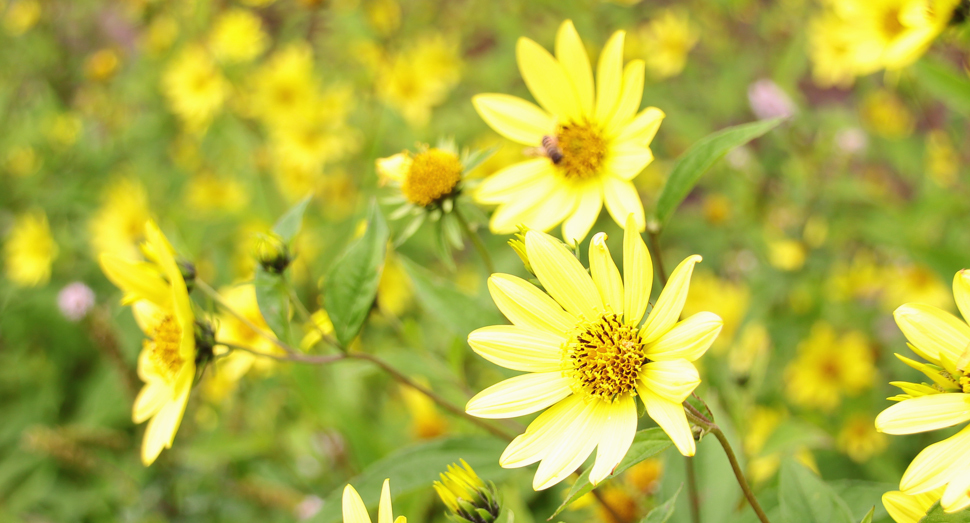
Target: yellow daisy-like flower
905 508
943 340
594 143
356 512
237 36
30 250
666 41
156 290
829 366
587 356
194 87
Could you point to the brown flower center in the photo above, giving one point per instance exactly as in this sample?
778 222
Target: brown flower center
583 150
605 357
163 348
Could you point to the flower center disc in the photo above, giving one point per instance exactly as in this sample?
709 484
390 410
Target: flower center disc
164 346
432 176
605 358
583 150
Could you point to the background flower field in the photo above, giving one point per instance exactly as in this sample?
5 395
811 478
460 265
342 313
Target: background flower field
214 118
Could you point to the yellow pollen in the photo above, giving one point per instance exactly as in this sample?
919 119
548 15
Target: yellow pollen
965 384
164 346
433 175
583 150
605 357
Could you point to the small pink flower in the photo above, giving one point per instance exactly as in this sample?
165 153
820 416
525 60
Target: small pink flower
769 101
75 300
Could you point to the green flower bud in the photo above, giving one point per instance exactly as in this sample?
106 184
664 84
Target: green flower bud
518 245
468 498
273 254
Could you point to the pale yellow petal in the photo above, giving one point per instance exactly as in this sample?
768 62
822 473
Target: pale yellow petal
521 204
512 180
671 301
935 465
518 348
531 446
630 97
147 315
934 331
924 414
547 210
514 118
688 339
627 160
354 510
609 77
961 292
672 380
526 306
572 447
637 273
563 277
622 199
956 497
520 395
547 80
620 427
671 417
151 398
384 511
590 203
160 432
393 168
572 55
906 508
138 278
605 274
643 127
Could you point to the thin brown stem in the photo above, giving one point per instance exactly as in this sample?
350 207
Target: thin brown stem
658 256
209 291
294 358
692 491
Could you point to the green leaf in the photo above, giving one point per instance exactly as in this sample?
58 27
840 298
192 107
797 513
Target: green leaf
457 311
937 515
794 433
351 284
478 157
507 516
415 468
661 513
646 444
289 224
699 158
946 83
273 299
804 497
868 518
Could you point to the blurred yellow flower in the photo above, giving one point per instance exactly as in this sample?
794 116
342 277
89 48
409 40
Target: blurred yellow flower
787 255
593 144
665 41
208 192
419 78
229 369
621 503
751 348
586 357
910 508
884 114
942 160
283 89
384 16
859 439
318 325
119 224
728 299
237 36
394 294
354 510
829 366
761 425
160 34
21 15
194 87
426 421
319 135
23 161
909 282
29 250
102 64
64 129
157 293
645 476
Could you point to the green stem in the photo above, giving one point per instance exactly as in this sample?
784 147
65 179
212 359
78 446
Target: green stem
476 241
692 491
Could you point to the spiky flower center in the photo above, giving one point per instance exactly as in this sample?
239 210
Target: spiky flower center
583 150
605 357
163 348
433 175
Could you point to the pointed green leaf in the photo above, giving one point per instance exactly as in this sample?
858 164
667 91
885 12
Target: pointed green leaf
661 513
951 86
936 514
868 518
289 224
273 300
804 497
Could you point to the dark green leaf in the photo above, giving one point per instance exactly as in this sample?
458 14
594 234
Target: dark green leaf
351 284
457 311
937 515
661 513
700 157
868 518
414 468
289 224
646 444
804 497
944 82
273 299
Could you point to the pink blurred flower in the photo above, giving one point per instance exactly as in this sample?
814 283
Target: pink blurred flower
75 300
769 101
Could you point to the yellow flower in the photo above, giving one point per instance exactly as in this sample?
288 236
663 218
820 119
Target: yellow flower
426 421
587 357
102 64
943 340
23 161
942 160
787 255
886 115
419 78
21 16
64 129
666 41
283 88
208 192
318 325
194 87
160 34
727 299
830 49
119 224
829 366
160 301
910 508
355 511
29 250
424 178
237 36
595 142
859 439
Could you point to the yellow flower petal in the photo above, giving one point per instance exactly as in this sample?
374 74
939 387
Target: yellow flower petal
540 210
619 429
526 306
622 200
935 332
384 513
513 179
590 203
520 395
935 465
160 432
671 417
151 398
630 98
547 80
688 339
137 278
671 301
518 348
609 77
643 127
353 507
961 292
627 160
563 277
905 508
531 446
393 168
572 55
637 273
924 414
514 118
605 274
572 447
956 497
672 380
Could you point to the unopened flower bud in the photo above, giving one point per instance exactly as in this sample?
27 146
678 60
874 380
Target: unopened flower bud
205 341
518 245
468 498
188 271
273 254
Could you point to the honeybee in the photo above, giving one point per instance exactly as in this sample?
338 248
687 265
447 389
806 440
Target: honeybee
549 148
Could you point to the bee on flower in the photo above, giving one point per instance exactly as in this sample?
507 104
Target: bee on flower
588 358
601 140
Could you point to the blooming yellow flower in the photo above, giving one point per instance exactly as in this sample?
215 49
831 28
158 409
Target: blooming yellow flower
666 40
356 512
859 439
595 142
160 34
886 115
194 87
942 339
29 250
237 36
829 366
419 78
21 15
587 356
102 64
156 290
208 192
119 224
728 299
283 87
910 508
